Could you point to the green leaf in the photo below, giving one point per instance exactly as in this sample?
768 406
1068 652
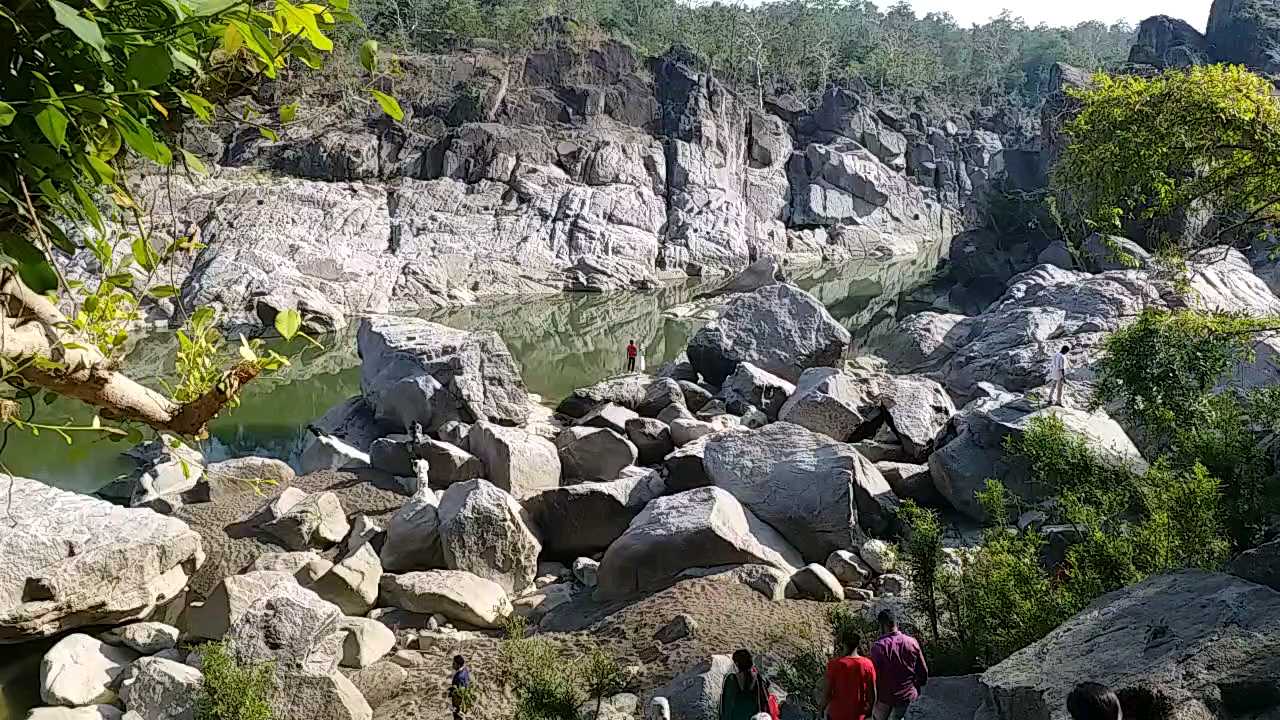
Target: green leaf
150 66
32 265
205 8
50 397
105 171
90 209
288 112
269 134
202 316
139 137
53 123
184 60
201 107
135 436
163 291
369 54
247 352
143 254
288 322
120 280
389 105
84 28
194 162
7 114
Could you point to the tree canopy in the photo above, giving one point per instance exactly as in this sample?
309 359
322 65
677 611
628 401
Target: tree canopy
1196 142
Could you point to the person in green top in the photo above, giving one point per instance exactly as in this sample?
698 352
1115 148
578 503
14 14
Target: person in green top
746 692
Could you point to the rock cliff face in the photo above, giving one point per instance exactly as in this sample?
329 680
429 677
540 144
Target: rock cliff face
1244 32
562 169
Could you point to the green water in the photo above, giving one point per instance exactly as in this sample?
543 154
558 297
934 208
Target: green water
561 342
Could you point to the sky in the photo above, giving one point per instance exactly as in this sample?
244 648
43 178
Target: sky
1065 12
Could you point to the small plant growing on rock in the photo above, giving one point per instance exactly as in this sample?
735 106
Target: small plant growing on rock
232 690
601 676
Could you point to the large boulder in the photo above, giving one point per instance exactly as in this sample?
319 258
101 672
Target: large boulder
341 437
81 670
316 521
414 371
626 390
778 328
366 641
917 409
239 476
584 519
594 454
292 628
695 693
162 689
448 463
147 638
459 596
69 560
698 528
836 403
1195 644
517 461
229 601
319 697
352 584
1246 32
750 387
84 712
652 439
977 452
819 494
1260 565
484 531
413 535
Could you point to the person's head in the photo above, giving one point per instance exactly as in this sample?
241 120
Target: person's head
459 662
743 661
1065 349
1091 701
887 620
848 641
631 342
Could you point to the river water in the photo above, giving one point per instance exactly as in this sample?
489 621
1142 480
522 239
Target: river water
561 342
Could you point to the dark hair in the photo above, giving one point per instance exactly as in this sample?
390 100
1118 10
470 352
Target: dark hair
743 659
848 638
459 661
1066 349
887 618
1091 701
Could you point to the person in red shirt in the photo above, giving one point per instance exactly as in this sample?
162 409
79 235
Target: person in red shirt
850 692
631 356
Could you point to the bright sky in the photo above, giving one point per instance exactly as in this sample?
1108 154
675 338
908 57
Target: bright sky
1065 12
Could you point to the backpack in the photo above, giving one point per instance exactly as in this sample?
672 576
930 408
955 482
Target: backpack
766 701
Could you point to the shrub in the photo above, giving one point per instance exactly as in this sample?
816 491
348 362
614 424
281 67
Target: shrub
232 690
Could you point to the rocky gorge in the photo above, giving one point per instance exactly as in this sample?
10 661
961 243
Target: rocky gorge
460 475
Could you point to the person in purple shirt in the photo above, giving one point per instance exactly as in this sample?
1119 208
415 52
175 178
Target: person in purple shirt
900 669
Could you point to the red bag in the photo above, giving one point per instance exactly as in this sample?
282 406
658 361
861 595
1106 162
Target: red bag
766 701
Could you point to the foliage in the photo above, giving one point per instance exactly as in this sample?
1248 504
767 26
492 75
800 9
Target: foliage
922 553
232 690
1149 149
547 684
1162 371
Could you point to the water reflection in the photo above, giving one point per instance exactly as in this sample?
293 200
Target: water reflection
561 342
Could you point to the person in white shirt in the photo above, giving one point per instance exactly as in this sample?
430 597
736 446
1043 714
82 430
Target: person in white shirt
1058 374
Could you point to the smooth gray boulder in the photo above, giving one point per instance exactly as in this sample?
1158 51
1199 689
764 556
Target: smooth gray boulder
661 393
594 454
415 371
365 642
161 689
778 328
81 670
917 410
911 481
378 682
610 416
751 387
413 535
948 698
698 528
1101 253
1260 565
847 568
69 560
147 638
815 582
238 476
448 463
352 584
341 437
273 509
684 466
459 596
316 521
695 693
484 531
305 566
695 396
229 601
584 519
819 494
627 391
651 438
319 697
85 712
961 466
291 627
688 430
836 403
515 460
1191 641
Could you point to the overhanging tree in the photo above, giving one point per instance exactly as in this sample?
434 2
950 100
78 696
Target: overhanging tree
92 88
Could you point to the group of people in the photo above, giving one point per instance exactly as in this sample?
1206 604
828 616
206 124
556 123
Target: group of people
879 686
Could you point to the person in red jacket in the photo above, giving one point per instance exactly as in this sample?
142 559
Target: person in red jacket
632 350
850 688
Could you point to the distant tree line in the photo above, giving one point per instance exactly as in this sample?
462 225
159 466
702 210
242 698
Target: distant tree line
796 46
